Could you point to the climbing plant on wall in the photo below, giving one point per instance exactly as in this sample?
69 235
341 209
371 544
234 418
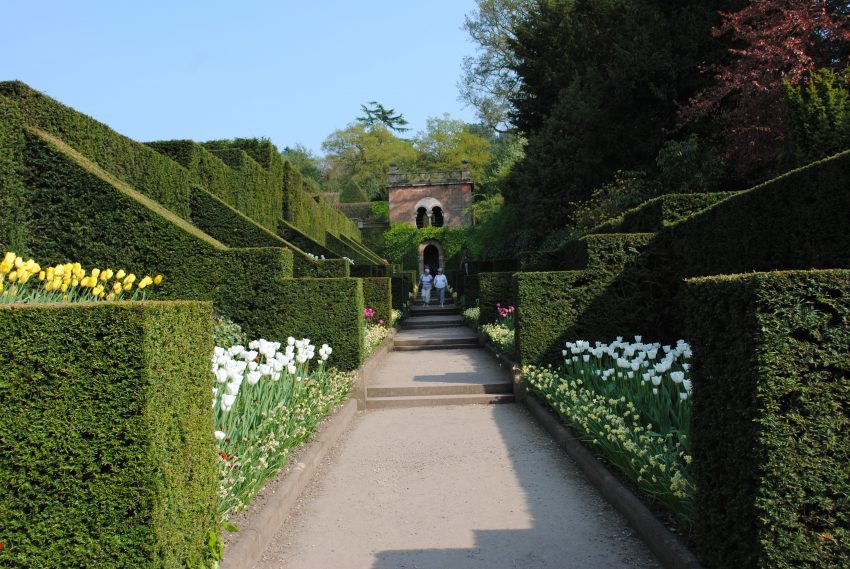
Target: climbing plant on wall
402 242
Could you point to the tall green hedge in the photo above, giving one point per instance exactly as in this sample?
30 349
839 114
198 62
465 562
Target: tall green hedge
150 173
109 458
495 288
233 176
657 213
377 294
471 289
771 418
402 288
603 251
14 221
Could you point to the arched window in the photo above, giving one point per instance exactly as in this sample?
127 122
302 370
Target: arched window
437 213
420 217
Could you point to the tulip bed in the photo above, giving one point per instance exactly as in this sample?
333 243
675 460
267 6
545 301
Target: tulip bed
267 400
631 401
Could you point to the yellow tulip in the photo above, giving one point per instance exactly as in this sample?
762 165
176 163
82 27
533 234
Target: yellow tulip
75 281
128 286
120 274
131 278
9 258
95 273
59 270
97 290
106 275
41 275
64 288
145 282
157 279
110 296
1 285
117 288
13 276
50 272
19 262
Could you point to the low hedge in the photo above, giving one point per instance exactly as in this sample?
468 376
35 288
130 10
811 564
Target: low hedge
377 295
655 214
495 288
771 428
402 288
326 311
107 433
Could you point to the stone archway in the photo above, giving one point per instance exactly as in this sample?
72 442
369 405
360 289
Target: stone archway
429 208
431 253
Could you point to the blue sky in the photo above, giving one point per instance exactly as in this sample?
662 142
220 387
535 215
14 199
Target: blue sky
291 71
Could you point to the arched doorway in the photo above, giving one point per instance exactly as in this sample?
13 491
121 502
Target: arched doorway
430 254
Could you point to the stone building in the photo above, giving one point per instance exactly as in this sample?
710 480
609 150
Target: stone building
437 199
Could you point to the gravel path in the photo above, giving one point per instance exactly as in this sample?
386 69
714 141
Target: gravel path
452 487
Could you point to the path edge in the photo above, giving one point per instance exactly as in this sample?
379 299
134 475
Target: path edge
667 546
255 539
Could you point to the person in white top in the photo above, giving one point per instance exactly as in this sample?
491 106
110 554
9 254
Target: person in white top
426 280
440 283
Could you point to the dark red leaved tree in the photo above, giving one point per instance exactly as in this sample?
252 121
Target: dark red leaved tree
774 41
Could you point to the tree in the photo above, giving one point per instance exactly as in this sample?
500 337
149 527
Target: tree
489 81
818 112
777 41
446 142
352 193
377 114
365 154
307 163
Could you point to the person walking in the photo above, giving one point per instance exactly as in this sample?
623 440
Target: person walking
426 280
440 283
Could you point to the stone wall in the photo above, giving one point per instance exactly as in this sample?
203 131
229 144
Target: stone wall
454 199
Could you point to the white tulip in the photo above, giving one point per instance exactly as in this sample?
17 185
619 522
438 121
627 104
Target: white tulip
221 375
254 377
220 435
290 341
677 376
656 380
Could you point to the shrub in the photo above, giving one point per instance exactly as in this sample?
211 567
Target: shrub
105 420
818 113
605 252
381 211
771 428
226 332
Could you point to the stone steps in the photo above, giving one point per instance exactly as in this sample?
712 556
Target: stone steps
501 387
432 321
437 400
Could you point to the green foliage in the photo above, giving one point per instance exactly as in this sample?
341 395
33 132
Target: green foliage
471 316
627 190
499 232
502 336
377 295
818 116
307 163
150 173
660 212
381 211
770 418
471 289
352 193
226 332
495 288
686 167
376 114
446 142
108 435
796 221
14 221
402 242
365 154
608 252
402 288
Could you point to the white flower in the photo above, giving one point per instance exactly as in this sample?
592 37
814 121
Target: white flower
677 376
586 357
220 435
232 388
227 401
654 391
291 368
656 380
254 377
290 341
564 353
683 396
688 385
638 338
221 375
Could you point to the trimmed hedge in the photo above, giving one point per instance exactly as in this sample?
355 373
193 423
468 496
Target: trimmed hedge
377 294
150 173
232 228
603 251
13 222
495 288
107 434
233 176
657 213
771 418
402 288
471 289
797 221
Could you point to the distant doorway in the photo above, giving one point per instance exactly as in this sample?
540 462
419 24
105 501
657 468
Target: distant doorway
430 255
